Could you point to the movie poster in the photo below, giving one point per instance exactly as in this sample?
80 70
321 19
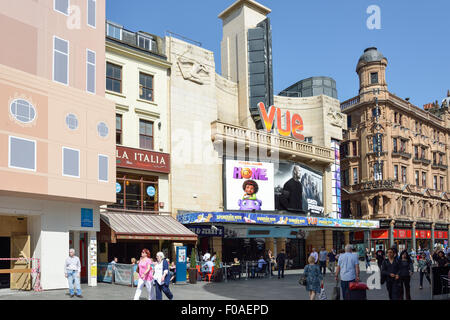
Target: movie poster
249 185
298 189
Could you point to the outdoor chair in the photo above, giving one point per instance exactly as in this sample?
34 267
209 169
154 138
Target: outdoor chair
262 271
208 275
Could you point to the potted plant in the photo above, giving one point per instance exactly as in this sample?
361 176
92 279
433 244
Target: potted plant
193 267
218 270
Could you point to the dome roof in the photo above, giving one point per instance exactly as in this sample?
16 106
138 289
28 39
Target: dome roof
371 54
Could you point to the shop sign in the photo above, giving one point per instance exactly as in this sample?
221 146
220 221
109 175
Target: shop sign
402 234
87 218
379 234
151 191
293 126
423 234
142 159
272 219
118 187
441 234
207 231
358 235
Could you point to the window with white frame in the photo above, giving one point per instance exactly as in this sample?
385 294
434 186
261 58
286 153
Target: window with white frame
90 71
61 6
91 12
114 31
145 43
22 153
71 162
22 110
60 60
102 168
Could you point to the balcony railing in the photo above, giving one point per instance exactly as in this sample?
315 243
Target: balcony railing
422 160
221 131
401 154
349 103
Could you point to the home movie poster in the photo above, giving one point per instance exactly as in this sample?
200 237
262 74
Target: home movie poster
298 188
249 185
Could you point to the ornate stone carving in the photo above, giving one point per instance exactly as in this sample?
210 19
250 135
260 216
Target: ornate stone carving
335 117
193 70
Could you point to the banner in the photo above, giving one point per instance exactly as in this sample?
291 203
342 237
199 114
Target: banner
104 272
207 231
298 188
123 274
249 185
273 219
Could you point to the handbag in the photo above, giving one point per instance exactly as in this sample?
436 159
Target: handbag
358 286
302 280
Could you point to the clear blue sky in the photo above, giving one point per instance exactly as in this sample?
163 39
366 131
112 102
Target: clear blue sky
321 38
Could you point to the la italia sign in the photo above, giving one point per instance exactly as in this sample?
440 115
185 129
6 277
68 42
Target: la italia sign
293 125
142 159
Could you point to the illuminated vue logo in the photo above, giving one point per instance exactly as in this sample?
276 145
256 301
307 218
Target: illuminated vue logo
293 125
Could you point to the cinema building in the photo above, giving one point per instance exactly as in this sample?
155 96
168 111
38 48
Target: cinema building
229 131
394 160
57 163
137 81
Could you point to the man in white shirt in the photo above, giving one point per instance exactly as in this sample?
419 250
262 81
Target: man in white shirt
315 255
72 269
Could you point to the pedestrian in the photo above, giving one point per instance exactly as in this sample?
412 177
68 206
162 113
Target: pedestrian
348 269
441 259
406 270
332 260
271 261
72 269
368 258
314 278
173 272
213 258
424 268
281 261
323 260
161 277
145 275
315 255
113 265
389 272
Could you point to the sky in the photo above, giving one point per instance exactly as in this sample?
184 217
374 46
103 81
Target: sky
321 38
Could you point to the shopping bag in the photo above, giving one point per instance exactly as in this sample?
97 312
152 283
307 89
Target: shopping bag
336 292
358 286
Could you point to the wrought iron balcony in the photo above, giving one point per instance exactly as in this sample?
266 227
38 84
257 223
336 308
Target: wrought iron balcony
401 154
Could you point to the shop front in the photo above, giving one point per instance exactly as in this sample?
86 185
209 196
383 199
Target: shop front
403 239
441 235
379 239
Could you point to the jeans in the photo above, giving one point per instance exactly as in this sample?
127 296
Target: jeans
345 288
148 284
74 276
404 282
281 270
426 275
323 265
394 289
160 288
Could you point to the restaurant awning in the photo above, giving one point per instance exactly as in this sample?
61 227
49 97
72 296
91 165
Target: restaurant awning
145 226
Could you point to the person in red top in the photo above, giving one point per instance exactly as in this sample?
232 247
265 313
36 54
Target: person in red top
145 275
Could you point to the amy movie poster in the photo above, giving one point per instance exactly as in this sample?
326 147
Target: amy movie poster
249 185
298 188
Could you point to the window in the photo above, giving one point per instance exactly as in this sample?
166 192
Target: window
416 152
61 6
60 60
118 129
145 86
435 182
424 179
396 172
136 192
146 43
102 168
441 183
71 162
91 12
90 71
349 121
72 121
373 77
345 178
22 111
378 171
395 117
113 77
308 139
402 145
375 205
22 153
355 175
114 31
146 134
403 174
422 153
434 158
355 150
395 144
102 129
343 150
416 175
440 158
377 143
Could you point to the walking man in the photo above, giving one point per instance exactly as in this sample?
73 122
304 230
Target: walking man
332 260
323 260
72 269
348 268
281 260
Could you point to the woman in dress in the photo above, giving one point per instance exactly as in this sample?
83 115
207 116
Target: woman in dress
314 278
145 275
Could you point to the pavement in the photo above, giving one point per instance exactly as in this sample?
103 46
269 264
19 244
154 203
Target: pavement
268 288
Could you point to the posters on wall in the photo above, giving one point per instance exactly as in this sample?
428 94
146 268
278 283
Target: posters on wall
249 185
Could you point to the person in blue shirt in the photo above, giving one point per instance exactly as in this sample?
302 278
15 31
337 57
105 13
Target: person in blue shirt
348 269
261 264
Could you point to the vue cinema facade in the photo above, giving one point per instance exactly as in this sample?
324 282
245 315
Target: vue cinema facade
268 176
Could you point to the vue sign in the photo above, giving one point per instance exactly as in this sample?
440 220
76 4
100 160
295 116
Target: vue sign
293 125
